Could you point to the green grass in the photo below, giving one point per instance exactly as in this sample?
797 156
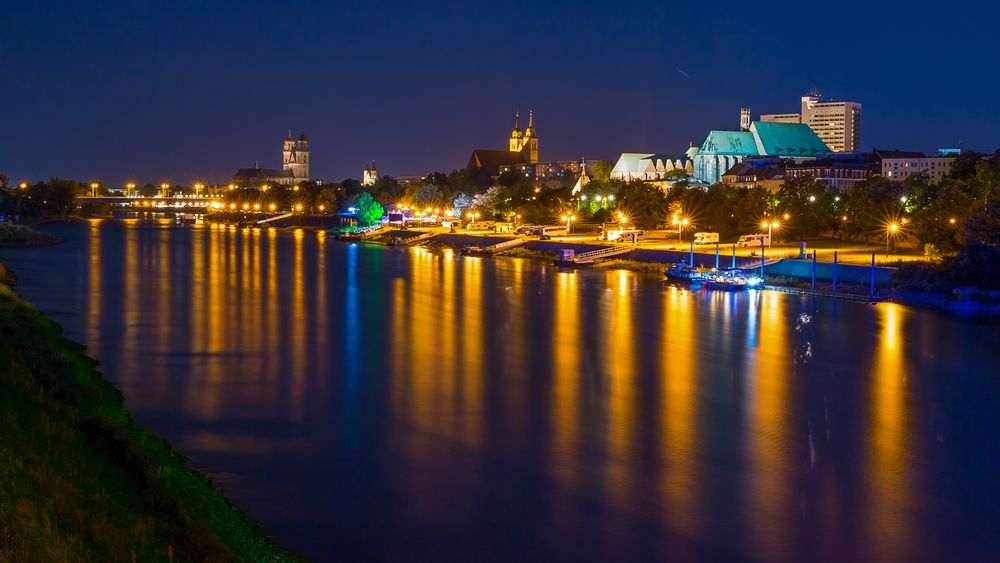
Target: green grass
518 252
634 265
81 481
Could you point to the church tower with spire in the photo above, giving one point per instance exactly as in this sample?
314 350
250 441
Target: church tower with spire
531 139
525 141
516 136
295 156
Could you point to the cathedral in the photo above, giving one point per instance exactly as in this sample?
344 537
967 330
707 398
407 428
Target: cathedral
527 141
370 175
294 166
522 149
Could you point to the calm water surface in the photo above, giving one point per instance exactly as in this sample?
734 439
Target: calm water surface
367 403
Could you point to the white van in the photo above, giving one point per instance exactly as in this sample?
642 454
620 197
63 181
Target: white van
754 241
480 225
706 238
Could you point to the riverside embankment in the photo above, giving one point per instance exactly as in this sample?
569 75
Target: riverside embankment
81 481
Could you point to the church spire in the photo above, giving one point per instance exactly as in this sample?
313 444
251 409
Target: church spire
531 118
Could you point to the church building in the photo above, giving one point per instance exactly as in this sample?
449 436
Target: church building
370 175
522 148
294 166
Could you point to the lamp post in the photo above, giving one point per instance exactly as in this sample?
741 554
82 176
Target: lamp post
890 230
164 190
569 219
130 189
197 189
681 224
93 189
770 226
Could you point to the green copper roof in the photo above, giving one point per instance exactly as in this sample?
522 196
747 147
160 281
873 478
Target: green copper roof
729 143
787 139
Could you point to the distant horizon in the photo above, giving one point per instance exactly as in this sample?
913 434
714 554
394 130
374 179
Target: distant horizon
122 92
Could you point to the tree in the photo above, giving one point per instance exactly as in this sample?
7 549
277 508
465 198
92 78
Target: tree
367 210
942 221
461 204
644 205
602 171
327 197
427 195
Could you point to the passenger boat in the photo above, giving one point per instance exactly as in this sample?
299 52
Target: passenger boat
683 273
733 280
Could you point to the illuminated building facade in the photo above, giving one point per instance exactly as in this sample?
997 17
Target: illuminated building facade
522 149
294 166
370 175
838 124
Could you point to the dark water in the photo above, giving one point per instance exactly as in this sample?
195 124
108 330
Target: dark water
376 403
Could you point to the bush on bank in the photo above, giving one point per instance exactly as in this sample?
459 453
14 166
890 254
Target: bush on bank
80 481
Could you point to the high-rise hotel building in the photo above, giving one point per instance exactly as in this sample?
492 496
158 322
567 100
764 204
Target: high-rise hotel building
838 124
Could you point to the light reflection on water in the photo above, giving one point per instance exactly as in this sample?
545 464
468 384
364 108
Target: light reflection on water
417 403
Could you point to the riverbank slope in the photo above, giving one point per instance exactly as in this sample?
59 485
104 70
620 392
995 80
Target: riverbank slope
81 481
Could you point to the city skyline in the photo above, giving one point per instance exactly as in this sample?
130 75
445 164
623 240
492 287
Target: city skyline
200 93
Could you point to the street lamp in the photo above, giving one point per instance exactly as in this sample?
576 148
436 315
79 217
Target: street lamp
952 220
569 219
891 230
93 189
322 208
681 224
770 226
197 189
272 207
165 190
298 207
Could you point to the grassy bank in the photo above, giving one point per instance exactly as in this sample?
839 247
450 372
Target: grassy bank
80 481
19 235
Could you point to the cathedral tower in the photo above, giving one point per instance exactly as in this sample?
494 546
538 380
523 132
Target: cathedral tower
295 156
531 139
516 136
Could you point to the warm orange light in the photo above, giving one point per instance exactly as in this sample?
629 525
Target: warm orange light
322 208
298 207
893 227
952 220
786 216
272 207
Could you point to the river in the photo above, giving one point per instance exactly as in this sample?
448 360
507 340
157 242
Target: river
374 403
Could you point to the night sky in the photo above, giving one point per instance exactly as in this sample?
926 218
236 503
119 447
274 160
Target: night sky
186 91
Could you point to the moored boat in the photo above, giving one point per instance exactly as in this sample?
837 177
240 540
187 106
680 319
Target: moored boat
683 273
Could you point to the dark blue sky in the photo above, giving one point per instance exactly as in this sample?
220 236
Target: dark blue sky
182 91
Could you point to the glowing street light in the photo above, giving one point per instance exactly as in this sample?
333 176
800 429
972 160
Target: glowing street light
770 226
890 230
681 223
322 208
93 189
198 188
569 219
272 207
952 220
298 207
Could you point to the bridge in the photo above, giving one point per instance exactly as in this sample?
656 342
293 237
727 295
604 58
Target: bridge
174 202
